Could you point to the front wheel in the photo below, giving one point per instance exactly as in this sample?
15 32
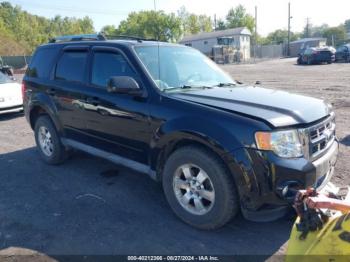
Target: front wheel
199 189
48 142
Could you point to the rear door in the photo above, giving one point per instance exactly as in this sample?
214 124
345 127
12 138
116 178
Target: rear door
68 85
117 123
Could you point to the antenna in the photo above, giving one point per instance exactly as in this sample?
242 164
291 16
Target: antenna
158 51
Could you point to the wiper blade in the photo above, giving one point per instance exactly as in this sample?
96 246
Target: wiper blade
225 84
186 87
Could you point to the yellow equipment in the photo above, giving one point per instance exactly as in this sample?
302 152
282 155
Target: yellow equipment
322 229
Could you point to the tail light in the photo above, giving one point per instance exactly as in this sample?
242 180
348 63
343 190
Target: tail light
24 88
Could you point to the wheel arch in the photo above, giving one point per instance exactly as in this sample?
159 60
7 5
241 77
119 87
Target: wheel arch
42 106
172 142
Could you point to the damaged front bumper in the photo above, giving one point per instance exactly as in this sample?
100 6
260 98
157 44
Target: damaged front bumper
266 182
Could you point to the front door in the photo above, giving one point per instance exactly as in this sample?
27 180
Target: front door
117 123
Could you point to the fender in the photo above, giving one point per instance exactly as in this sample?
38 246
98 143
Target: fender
46 103
190 129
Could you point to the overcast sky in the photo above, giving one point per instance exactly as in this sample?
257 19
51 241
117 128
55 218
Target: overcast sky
272 14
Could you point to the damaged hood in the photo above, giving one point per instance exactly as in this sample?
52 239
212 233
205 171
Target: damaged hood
279 108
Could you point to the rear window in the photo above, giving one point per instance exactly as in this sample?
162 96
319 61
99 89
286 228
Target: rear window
42 63
71 66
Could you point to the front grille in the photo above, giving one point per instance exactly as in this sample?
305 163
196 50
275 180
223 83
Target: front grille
321 136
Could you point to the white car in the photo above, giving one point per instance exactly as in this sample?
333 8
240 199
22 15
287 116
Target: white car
10 95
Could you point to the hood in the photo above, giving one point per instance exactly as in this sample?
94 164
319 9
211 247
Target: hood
279 108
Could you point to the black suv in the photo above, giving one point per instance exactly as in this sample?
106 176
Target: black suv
217 146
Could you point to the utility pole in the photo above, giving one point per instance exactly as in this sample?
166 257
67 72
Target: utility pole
288 43
256 31
307 27
214 22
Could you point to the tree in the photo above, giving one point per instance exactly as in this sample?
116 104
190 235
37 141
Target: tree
280 36
220 25
109 30
238 17
151 24
192 23
336 34
28 31
347 25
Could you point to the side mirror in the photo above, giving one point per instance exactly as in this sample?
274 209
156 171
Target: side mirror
123 85
258 83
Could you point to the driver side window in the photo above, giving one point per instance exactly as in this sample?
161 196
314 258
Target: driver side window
108 64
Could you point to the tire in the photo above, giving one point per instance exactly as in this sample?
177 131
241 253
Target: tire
219 183
299 62
53 143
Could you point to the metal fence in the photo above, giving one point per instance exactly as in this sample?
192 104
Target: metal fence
268 51
16 62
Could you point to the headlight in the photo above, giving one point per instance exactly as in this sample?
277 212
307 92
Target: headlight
283 143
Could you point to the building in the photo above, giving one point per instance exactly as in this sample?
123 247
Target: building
238 38
296 46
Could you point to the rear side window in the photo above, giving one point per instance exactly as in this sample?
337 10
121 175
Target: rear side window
107 64
42 63
71 66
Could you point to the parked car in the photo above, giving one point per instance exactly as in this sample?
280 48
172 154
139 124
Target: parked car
343 53
6 69
166 110
316 55
10 95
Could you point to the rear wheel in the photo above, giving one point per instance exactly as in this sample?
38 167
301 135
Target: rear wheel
48 142
199 189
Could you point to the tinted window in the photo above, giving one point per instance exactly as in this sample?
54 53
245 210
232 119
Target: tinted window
71 66
42 63
4 79
105 65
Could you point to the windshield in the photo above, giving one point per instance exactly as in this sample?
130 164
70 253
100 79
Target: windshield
181 67
4 78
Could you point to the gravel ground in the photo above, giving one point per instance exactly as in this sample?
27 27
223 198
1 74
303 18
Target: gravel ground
90 206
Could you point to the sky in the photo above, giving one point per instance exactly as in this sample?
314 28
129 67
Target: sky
272 14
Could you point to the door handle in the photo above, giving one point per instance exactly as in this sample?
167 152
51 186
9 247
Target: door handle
51 92
93 100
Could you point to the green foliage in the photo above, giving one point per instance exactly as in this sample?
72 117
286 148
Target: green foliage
220 25
192 23
278 37
109 30
151 24
28 31
336 34
238 17
347 25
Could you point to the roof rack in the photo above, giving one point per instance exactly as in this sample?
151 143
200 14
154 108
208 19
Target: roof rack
85 37
130 37
99 37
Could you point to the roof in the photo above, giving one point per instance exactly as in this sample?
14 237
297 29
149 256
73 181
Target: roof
303 40
216 34
124 42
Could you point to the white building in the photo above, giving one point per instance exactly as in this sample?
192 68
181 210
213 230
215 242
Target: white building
239 38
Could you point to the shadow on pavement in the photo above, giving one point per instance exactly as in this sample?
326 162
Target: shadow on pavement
345 141
90 206
9 116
